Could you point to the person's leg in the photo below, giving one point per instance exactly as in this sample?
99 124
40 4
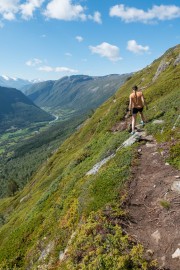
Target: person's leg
142 117
133 122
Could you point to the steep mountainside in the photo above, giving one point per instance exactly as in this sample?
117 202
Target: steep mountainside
18 111
77 92
14 82
73 214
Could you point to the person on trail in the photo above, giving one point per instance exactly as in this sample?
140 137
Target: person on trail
136 104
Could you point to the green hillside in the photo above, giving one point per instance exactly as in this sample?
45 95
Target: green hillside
66 219
17 111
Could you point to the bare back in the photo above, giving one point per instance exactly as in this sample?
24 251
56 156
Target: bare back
137 100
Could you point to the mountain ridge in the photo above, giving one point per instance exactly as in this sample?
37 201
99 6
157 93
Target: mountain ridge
76 92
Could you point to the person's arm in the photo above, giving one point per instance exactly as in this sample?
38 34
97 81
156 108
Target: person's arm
130 103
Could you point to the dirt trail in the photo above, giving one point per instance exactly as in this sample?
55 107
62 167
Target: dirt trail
154 209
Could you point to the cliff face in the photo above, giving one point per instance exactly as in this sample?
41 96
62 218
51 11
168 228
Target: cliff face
66 218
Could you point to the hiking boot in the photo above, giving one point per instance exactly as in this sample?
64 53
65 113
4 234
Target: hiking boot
133 132
142 123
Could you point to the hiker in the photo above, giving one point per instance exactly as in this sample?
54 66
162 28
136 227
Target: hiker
136 104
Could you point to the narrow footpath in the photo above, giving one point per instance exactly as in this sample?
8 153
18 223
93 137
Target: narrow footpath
153 205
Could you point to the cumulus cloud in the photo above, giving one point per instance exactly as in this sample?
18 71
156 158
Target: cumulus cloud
27 9
33 62
64 10
96 17
106 50
57 69
9 16
79 38
132 46
8 6
55 9
132 14
8 9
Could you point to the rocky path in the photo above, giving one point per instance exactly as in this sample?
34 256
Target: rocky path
154 206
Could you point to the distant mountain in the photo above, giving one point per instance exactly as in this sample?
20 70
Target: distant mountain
77 92
17 83
16 110
14 82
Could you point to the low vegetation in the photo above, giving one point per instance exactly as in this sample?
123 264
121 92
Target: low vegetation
101 243
165 204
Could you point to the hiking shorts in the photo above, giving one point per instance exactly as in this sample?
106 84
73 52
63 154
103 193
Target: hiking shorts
136 110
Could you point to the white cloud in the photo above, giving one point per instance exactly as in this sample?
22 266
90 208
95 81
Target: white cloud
29 7
65 69
64 10
55 9
8 6
106 50
96 17
9 16
132 46
8 9
57 69
132 14
45 68
79 38
33 62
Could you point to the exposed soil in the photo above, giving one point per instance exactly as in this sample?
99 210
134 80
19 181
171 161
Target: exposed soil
120 126
154 209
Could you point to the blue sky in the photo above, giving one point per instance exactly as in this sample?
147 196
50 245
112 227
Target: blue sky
48 39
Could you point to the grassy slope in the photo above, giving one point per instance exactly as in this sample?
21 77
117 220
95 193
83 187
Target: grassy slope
61 199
